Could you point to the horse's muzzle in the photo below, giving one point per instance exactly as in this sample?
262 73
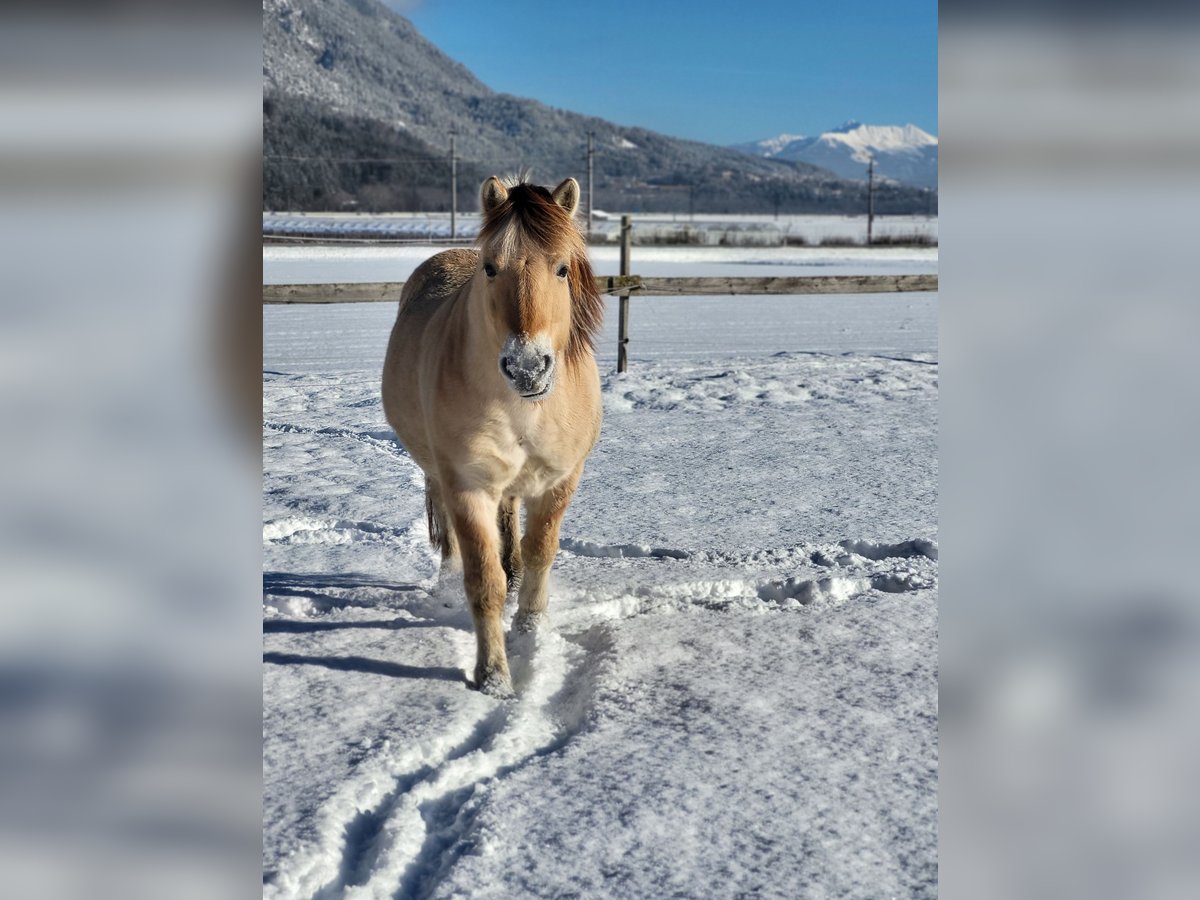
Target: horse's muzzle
528 366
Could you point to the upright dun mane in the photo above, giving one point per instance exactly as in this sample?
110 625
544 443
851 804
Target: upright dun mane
528 221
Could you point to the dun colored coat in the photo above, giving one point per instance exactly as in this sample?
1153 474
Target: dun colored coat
491 385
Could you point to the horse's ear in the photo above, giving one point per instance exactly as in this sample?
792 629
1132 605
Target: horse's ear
492 194
566 195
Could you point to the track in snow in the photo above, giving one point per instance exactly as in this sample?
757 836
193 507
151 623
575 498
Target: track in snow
410 825
397 841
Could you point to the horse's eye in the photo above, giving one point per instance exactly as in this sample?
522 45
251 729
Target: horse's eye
562 271
489 270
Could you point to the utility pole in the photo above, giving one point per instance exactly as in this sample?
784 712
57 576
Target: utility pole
591 153
453 188
870 198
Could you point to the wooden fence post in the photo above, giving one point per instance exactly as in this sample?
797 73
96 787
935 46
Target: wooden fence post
623 321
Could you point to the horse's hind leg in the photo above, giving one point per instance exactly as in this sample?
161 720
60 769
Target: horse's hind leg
441 528
510 540
538 549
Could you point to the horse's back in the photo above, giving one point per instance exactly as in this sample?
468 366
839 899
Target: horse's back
435 281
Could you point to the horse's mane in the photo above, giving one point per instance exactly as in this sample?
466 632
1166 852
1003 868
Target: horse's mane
529 219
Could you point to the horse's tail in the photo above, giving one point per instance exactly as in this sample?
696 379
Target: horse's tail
435 515
437 529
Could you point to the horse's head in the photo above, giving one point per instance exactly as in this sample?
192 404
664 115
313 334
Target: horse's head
541 294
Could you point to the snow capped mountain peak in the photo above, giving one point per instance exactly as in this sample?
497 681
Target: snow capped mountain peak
904 153
892 138
848 125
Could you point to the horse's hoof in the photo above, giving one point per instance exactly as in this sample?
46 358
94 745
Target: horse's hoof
528 623
495 684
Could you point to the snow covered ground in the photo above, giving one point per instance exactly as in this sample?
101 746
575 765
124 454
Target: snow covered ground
710 229
737 692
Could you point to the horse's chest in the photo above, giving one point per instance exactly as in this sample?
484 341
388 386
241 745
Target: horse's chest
501 458
535 469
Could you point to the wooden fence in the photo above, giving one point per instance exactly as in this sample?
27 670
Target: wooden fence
626 285
634 285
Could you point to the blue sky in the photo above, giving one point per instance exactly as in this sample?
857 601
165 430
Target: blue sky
716 72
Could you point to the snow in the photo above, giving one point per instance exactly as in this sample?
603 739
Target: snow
708 229
862 139
904 153
736 692
771 146
890 138
367 225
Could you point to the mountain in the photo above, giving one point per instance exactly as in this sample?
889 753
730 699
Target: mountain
905 154
358 109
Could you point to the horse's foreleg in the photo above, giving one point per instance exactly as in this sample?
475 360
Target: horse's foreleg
510 539
474 515
538 549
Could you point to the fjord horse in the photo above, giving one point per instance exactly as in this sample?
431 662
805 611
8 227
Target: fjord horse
490 383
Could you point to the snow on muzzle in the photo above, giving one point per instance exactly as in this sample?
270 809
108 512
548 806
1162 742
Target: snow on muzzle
528 364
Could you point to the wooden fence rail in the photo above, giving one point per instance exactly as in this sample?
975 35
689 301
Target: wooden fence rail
633 285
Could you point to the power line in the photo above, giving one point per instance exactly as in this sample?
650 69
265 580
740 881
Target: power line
387 159
355 159
277 238
591 152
